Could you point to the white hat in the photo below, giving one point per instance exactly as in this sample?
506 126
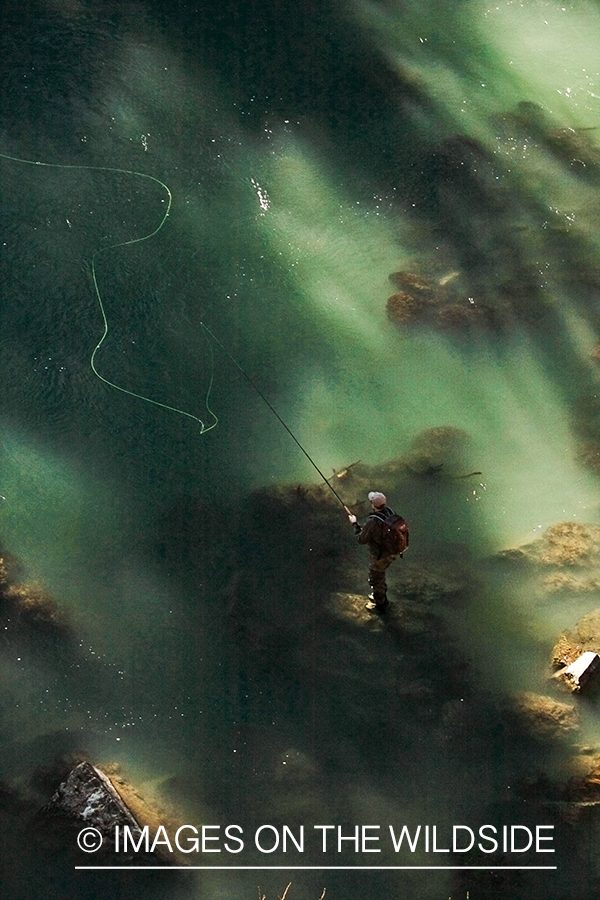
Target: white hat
377 498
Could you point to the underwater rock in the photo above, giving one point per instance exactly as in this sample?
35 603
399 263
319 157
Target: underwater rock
443 303
561 581
34 608
26 605
573 642
543 717
442 584
585 787
148 810
569 544
459 176
574 146
576 797
456 316
414 284
404 307
351 607
565 560
441 447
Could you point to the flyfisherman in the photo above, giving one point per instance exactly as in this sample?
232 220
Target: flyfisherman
387 536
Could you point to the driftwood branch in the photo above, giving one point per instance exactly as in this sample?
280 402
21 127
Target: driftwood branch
284 895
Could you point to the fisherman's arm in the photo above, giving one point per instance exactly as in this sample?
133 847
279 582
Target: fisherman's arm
362 532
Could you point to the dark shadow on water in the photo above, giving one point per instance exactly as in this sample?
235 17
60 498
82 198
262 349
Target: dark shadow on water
325 703
392 707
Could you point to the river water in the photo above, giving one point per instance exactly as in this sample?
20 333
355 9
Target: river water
303 152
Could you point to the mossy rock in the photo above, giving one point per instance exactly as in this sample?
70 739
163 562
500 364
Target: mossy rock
544 717
573 642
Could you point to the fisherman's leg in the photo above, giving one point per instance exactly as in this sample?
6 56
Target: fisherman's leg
378 582
377 579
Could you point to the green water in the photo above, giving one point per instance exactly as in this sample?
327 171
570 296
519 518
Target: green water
310 150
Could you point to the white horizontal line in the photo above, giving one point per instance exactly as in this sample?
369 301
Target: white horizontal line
311 868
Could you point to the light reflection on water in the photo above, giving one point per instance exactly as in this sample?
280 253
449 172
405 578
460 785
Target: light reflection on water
111 504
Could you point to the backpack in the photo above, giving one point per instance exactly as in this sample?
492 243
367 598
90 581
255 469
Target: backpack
394 538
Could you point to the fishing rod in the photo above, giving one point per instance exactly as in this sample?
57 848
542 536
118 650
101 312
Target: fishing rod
275 413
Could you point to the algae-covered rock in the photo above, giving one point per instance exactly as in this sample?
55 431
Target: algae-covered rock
35 608
573 642
544 717
561 581
576 798
566 544
404 307
585 785
571 545
442 447
351 607
423 300
416 284
455 315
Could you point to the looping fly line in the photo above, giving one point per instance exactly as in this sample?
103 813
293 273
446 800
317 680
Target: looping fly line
30 162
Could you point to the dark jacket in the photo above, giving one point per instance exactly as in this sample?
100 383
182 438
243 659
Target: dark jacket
371 532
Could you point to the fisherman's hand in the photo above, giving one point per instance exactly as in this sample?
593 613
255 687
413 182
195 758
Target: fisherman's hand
352 519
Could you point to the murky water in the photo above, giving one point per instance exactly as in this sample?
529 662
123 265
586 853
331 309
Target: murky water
310 150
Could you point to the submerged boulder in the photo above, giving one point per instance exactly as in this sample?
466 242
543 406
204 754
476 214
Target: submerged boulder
543 717
571 545
415 284
404 307
440 449
573 642
27 606
33 607
351 608
576 799
455 315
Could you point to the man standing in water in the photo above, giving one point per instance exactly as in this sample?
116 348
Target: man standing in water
387 537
